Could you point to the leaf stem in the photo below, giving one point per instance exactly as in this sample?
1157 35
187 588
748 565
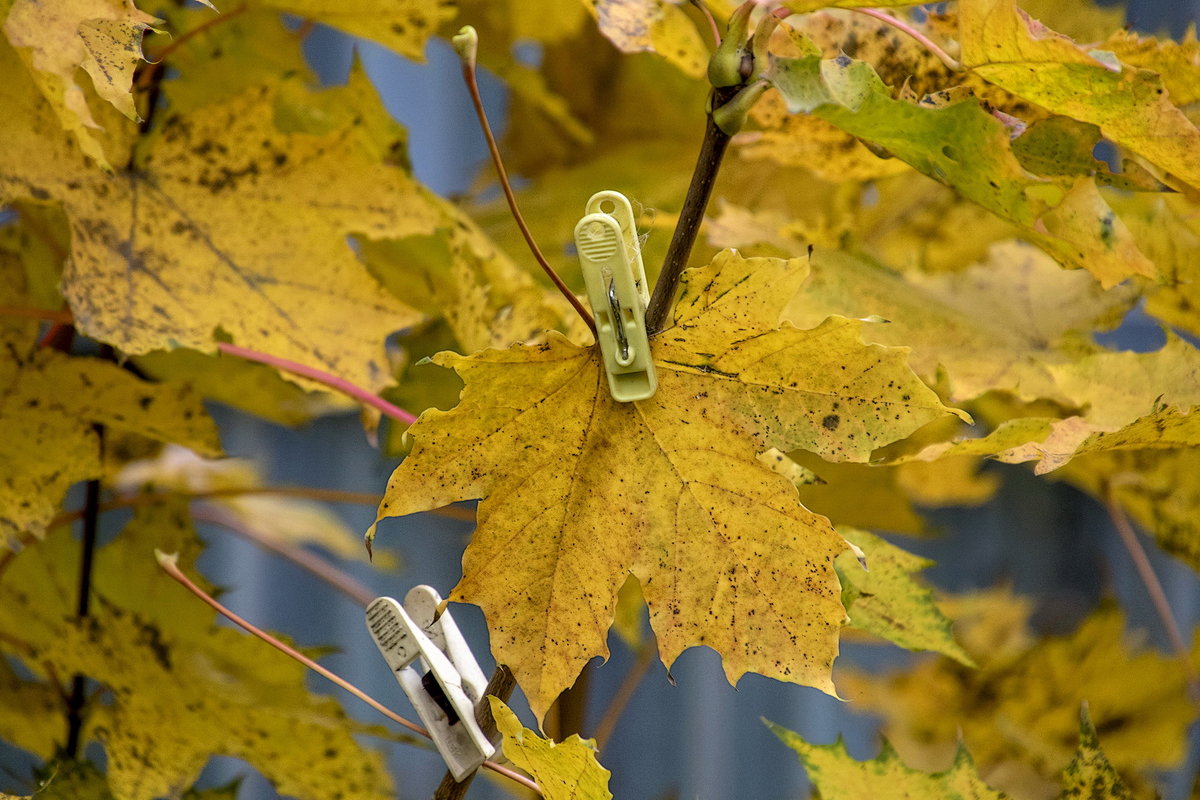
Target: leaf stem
950 61
468 72
1154 587
712 23
712 150
332 381
624 693
169 565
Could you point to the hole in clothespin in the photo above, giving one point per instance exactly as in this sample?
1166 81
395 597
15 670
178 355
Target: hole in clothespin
624 358
434 689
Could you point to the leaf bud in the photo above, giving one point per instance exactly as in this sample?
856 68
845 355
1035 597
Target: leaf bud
733 62
466 44
731 116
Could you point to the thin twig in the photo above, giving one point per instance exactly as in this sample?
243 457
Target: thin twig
314 565
170 566
468 72
324 495
950 61
624 693
712 150
320 376
1154 588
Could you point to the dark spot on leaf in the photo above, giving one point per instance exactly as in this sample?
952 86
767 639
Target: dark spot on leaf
831 422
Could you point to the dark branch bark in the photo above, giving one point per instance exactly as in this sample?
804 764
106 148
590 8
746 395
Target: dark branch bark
708 163
501 685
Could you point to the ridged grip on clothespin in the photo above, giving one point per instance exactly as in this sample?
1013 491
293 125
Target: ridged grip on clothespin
614 275
450 684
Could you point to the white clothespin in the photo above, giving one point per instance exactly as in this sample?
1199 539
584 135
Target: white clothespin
610 257
450 683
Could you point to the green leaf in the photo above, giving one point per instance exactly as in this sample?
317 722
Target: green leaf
882 596
1003 45
566 770
968 149
31 712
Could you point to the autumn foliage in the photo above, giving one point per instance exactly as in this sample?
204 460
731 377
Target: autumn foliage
924 219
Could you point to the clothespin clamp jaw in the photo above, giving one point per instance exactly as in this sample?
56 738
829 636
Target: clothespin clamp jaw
449 684
610 257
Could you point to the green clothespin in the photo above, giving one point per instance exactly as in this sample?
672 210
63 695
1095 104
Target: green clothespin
611 259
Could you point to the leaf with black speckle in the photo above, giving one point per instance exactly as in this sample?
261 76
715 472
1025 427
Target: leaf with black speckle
581 491
183 689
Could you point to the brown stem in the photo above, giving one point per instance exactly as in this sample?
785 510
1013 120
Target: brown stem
468 71
501 686
1154 588
712 150
624 693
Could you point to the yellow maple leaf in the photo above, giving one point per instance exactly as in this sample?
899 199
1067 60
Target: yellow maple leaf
838 776
655 26
1006 47
225 223
103 37
402 25
1021 731
1035 314
566 770
183 689
581 491
50 404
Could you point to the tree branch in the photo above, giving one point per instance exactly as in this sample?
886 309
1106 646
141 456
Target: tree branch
712 150
501 686
91 522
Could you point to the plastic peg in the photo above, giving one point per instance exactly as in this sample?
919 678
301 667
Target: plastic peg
614 275
449 684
